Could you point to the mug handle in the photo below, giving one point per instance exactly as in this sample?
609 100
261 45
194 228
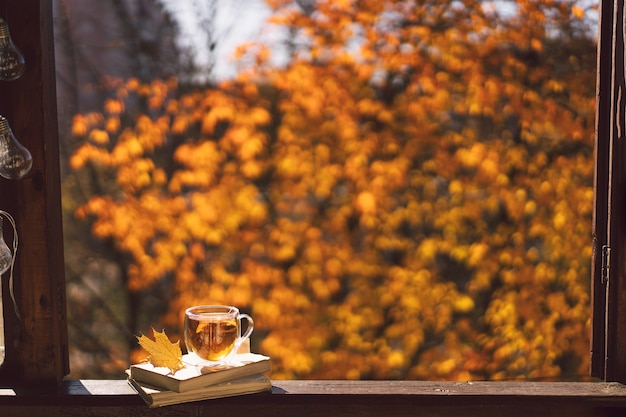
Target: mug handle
246 334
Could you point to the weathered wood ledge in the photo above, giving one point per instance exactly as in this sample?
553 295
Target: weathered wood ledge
335 398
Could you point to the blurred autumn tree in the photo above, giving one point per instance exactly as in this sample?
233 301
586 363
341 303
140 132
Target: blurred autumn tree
409 197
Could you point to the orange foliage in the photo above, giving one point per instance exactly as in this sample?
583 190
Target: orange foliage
416 207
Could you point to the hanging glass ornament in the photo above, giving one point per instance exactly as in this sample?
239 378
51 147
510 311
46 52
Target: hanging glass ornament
7 258
12 62
15 160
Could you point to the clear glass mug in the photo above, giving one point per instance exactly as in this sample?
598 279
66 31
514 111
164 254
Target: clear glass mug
213 332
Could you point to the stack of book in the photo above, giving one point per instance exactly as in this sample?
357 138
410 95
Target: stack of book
244 374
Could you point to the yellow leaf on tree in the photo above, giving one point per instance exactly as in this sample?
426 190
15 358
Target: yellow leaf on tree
578 12
79 125
163 353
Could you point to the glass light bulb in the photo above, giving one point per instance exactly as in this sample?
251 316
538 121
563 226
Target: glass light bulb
11 59
6 257
15 160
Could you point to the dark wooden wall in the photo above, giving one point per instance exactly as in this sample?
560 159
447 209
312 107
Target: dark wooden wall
36 345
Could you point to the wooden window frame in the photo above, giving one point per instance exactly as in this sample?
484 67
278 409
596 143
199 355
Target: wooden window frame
37 359
339 398
608 280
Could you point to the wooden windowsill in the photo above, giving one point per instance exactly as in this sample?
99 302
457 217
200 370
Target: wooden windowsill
335 398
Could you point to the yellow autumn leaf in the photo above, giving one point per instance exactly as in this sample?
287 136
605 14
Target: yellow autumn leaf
79 125
113 106
99 136
163 353
578 12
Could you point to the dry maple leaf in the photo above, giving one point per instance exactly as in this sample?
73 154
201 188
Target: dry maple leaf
163 353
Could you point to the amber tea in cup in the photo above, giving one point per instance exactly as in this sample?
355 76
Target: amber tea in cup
213 332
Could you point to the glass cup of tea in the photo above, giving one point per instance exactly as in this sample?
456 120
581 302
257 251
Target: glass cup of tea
213 332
